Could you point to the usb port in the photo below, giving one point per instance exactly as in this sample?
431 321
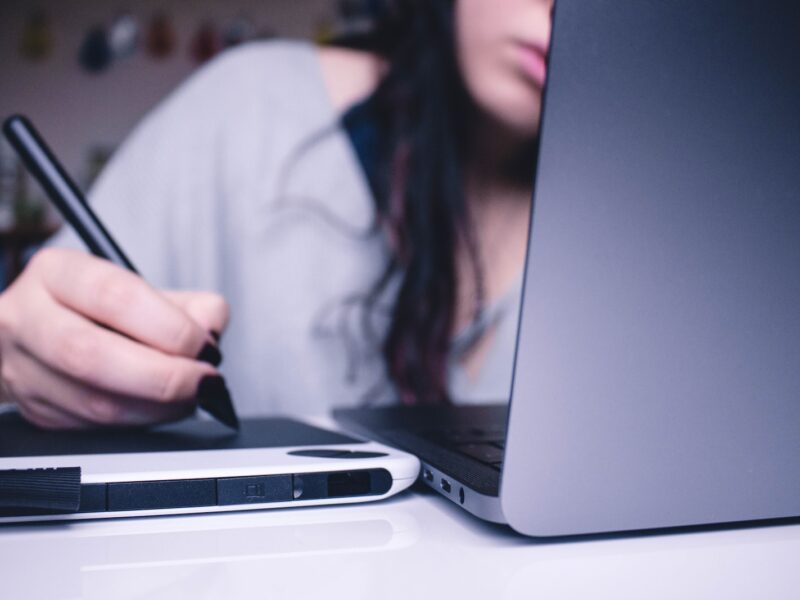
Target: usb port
426 473
446 485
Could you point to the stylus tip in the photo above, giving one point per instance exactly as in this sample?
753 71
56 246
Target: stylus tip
214 398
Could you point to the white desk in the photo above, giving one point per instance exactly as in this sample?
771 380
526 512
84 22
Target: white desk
414 546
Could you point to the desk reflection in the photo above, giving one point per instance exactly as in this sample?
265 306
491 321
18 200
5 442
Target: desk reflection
298 552
414 546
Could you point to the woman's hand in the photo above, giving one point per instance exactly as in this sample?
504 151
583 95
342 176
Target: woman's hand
84 343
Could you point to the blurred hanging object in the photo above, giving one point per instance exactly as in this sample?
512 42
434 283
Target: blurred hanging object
123 36
36 43
239 30
324 31
161 37
95 53
205 43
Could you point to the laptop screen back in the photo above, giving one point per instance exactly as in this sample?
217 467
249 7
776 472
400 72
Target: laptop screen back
657 379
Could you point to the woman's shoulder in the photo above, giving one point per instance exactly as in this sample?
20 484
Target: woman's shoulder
265 90
296 72
263 69
253 104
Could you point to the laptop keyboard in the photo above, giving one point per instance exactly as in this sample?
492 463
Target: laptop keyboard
485 445
488 454
463 442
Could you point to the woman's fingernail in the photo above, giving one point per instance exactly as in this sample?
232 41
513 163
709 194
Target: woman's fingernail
210 354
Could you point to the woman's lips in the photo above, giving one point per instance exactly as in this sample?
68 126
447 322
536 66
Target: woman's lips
533 62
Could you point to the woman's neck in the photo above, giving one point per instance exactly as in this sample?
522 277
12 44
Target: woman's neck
499 158
497 185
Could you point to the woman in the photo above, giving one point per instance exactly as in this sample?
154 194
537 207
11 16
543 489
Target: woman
363 212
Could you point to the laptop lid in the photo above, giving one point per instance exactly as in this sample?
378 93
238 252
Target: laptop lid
657 378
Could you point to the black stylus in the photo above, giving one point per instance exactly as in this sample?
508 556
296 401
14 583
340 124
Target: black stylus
213 395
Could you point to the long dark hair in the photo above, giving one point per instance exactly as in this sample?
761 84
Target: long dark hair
419 114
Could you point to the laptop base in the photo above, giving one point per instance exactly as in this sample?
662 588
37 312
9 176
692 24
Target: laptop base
460 448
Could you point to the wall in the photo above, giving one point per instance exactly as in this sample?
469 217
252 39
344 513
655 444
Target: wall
76 110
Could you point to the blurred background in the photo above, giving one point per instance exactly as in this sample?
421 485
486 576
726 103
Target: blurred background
86 71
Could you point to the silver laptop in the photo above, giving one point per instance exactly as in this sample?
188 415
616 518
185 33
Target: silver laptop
657 374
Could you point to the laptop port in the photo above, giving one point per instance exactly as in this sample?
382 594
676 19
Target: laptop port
461 495
426 473
446 485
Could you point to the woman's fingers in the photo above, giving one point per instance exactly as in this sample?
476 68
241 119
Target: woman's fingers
45 416
85 343
53 400
207 309
99 358
121 300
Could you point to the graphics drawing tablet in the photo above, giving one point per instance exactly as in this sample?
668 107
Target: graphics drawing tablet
191 467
